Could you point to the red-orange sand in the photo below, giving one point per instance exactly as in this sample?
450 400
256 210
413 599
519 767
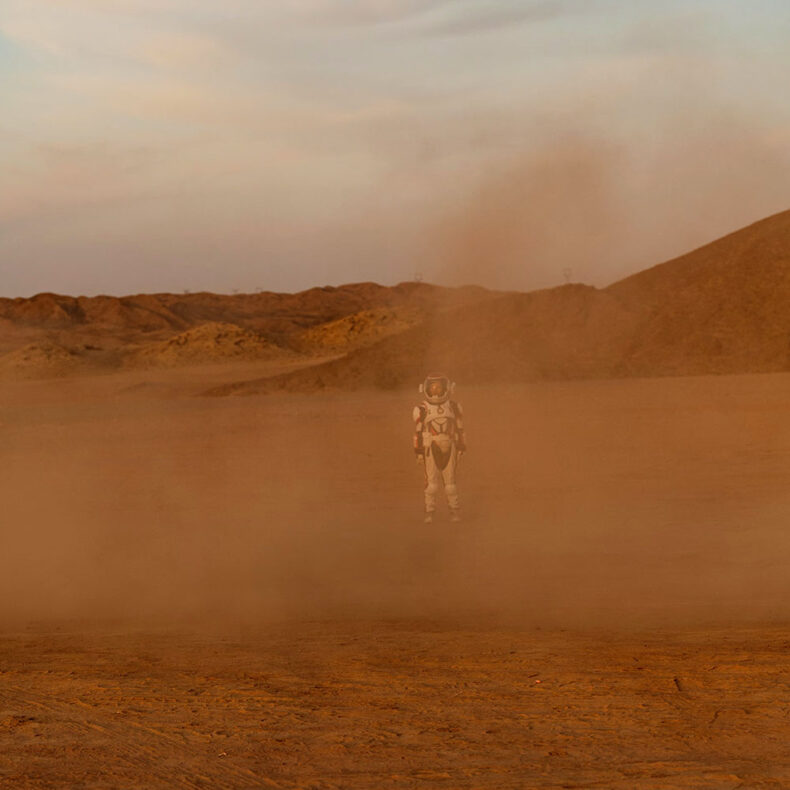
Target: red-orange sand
398 704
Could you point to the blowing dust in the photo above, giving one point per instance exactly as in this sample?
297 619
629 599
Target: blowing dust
570 205
588 503
535 220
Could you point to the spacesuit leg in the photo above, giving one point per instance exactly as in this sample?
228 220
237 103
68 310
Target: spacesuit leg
448 477
433 479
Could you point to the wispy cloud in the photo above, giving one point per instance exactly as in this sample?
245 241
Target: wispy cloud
482 17
184 51
362 12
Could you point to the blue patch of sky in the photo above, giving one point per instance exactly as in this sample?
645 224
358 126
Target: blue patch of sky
12 57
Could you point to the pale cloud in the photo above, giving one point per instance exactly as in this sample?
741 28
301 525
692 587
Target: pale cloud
190 109
441 17
165 100
31 31
475 17
119 34
50 179
184 51
357 12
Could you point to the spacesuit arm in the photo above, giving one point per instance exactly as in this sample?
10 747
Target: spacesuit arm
418 415
460 433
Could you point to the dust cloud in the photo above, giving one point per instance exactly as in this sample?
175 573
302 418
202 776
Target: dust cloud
541 217
586 503
570 205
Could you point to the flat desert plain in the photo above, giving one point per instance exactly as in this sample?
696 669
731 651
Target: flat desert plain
239 592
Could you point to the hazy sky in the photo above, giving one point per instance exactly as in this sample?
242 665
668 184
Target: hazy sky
152 145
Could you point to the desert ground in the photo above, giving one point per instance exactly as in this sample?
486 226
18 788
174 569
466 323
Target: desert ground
239 592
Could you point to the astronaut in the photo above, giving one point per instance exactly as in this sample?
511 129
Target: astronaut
439 442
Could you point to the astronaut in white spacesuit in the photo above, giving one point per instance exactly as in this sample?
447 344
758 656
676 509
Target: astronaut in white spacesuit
439 442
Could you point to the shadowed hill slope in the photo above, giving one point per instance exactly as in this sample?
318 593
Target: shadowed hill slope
724 308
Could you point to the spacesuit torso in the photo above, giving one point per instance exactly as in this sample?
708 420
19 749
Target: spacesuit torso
438 423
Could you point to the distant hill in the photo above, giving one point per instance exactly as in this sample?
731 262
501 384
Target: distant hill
574 331
724 308
266 312
165 329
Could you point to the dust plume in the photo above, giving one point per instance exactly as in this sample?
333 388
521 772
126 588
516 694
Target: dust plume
573 204
586 503
542 217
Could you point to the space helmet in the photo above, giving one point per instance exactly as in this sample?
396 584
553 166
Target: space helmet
437 388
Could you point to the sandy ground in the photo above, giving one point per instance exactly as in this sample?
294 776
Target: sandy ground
239 592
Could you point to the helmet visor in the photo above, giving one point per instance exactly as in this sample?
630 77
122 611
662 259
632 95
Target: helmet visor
436 388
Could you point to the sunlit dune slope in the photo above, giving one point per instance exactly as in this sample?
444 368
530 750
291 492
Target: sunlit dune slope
724 308
38 360
210 342
358 329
